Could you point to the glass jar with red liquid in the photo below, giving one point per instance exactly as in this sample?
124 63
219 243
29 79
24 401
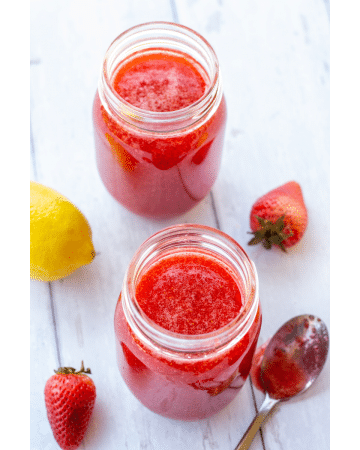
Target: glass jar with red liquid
187 321
159 118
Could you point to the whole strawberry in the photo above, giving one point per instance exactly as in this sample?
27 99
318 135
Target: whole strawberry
279 217
69 398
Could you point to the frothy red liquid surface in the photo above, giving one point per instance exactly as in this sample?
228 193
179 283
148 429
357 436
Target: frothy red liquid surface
163 173
160 81
189 294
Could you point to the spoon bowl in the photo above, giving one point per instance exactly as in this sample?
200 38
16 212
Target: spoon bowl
294 357
292 361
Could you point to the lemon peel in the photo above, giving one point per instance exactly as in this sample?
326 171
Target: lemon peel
60 235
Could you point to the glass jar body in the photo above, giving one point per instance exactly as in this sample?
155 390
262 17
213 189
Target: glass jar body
159 164
187 377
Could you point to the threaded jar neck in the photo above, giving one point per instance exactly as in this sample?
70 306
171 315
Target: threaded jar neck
168 37
198 239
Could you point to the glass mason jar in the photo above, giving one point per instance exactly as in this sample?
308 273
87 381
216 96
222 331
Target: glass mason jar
159 163
187 377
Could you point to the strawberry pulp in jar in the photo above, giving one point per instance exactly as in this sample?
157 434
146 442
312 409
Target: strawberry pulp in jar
187 321
159 119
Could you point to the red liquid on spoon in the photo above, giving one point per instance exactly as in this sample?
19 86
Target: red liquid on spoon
283 377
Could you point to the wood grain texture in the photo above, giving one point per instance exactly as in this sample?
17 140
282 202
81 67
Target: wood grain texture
274 59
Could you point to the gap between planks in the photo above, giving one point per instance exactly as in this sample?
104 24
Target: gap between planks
256 411
52 304
32 153
174 11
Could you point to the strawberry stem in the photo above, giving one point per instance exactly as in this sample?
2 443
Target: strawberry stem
71 370
270 233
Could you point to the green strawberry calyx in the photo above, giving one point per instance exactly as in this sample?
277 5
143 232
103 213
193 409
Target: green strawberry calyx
71 370
270 233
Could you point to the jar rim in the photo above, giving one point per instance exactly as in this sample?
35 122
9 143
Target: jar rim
146 119
219 339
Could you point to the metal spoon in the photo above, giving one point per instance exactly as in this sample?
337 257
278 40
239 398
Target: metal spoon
292 361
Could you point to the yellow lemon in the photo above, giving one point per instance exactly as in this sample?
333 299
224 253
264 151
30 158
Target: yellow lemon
60 236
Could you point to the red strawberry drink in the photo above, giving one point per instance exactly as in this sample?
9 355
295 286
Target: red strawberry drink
187 322
255 372
159 119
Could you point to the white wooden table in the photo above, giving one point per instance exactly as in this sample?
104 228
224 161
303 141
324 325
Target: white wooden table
274 58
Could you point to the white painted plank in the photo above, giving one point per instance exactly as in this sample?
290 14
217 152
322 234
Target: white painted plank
275 64
33 174
43 360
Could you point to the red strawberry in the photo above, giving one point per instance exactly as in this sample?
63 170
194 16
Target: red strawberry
69 398
279 217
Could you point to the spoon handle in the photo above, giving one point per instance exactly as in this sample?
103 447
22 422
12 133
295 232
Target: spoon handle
250 433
